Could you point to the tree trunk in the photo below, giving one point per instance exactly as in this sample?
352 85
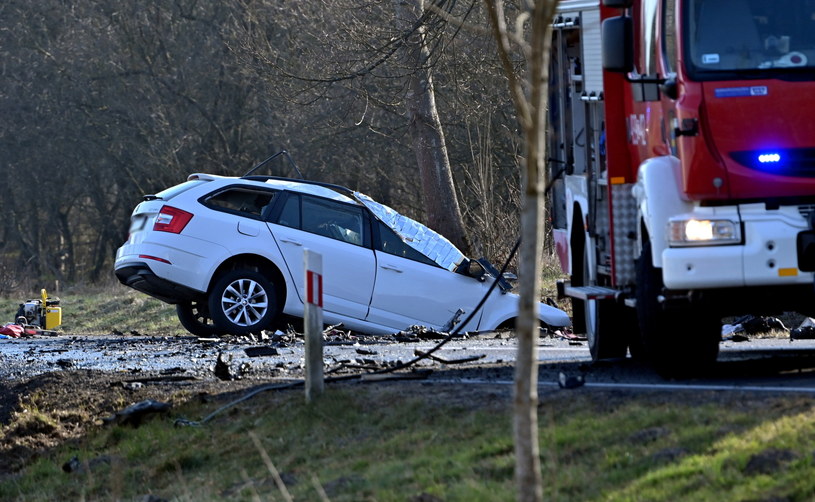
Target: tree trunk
438 191
531 110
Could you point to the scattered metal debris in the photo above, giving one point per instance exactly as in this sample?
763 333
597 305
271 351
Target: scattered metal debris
76 465
566 334
421 374
449 361
805 331
221 370
416 333
135 414
65 363
570 382
453 321
260 351
751 325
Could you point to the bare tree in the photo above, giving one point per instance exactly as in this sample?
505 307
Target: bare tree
105 103
441 202
531 38
382 55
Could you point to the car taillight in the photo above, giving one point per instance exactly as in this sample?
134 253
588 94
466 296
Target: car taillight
171 219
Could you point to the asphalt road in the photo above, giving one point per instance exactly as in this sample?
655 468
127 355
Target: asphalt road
760 364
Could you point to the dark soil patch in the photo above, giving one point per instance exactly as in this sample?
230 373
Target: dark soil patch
42 412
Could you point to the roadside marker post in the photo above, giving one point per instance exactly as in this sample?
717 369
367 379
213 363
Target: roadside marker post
314 323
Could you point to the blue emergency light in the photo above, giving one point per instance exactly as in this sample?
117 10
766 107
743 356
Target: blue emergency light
769 158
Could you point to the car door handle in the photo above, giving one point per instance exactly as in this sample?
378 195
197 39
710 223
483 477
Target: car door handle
289 241
391 267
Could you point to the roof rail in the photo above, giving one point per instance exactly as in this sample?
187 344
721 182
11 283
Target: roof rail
337 188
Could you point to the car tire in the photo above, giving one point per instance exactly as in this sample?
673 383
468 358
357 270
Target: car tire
195 318
243 302
681 342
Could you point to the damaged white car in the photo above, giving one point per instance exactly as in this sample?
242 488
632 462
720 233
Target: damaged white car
228 252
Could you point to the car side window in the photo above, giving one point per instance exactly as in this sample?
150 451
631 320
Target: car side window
241 201
391 243
335 220
290 215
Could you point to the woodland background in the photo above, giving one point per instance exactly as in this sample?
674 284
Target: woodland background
103 102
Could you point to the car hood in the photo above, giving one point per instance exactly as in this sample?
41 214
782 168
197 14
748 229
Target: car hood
416 235
553 316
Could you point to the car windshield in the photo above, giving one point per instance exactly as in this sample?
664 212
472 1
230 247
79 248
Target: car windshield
753 35
416 235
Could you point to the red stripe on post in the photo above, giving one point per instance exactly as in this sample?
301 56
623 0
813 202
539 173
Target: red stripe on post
314 288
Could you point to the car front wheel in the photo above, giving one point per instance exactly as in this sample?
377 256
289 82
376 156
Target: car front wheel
243 302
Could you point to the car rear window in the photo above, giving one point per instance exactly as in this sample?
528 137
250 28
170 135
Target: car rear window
171 192
245 202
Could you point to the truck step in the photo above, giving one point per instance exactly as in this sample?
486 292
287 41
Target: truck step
565 289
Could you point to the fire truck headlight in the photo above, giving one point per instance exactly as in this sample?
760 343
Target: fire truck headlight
703 232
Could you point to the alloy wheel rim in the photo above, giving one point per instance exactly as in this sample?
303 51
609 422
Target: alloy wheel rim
244 302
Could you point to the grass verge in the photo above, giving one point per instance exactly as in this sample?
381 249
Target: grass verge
395 442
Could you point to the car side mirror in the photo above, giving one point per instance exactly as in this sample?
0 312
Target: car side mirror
476 271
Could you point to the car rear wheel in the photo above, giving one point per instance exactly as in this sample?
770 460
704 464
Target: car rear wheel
195 318
243 302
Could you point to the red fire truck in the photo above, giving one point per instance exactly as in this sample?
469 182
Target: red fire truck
682 149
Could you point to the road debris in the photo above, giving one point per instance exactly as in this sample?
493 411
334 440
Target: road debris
221 369
416 333
260 351
65 363
568 335
470 359
570 382
751 325
136 413
422 374
805 331
76 465
12 330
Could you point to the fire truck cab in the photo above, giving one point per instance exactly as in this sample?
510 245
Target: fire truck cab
682 153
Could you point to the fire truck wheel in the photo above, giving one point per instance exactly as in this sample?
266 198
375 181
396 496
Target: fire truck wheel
603 319
194 316
680 342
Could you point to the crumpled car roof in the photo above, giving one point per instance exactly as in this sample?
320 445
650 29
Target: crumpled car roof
419 237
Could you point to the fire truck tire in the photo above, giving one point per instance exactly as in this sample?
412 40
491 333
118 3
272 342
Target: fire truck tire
681 342
194 316
603 321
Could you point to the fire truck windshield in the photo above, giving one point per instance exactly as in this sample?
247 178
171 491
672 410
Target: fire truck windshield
731 36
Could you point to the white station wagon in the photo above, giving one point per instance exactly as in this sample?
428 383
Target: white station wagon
228 252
